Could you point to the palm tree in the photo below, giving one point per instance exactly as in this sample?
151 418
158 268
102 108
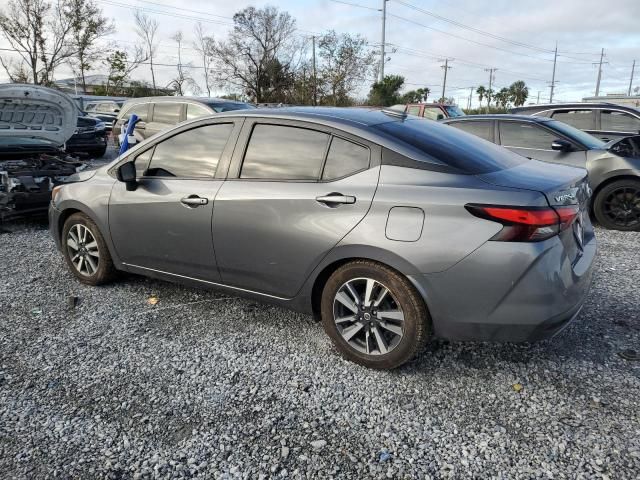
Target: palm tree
519 92
426 91
481 91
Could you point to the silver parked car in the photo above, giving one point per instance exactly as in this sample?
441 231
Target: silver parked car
392 230
614 167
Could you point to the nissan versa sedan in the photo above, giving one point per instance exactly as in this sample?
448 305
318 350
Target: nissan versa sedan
390 229
614 167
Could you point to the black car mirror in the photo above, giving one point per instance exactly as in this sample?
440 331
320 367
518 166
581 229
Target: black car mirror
561 146
127 173
116 110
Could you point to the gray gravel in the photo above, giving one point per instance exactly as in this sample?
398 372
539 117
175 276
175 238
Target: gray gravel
204 385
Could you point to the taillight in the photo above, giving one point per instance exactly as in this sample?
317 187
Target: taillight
526 224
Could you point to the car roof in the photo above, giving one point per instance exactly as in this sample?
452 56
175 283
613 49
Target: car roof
560 106
182 99
498 116
356 117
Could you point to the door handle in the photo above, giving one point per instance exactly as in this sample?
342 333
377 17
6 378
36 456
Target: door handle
333 199
193 201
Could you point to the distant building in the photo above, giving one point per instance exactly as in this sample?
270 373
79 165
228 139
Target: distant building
616 98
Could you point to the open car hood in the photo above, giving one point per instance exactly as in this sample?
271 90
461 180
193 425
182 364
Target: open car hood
35 111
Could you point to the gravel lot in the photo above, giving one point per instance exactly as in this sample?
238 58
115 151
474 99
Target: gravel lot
204 385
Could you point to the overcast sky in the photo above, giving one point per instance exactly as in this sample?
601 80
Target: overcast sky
417 41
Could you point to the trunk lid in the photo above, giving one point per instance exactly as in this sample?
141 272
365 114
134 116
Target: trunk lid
31 111
560 184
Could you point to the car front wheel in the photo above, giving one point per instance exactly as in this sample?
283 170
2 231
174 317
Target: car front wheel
617 205
85 251
373 315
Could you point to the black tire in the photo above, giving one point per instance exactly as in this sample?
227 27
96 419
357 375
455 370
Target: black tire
416 325
98 270
617 205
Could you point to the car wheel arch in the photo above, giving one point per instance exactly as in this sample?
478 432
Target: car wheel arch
355 253
609 180
75 207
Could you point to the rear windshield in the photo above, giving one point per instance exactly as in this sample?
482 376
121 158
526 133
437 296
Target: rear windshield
453 111
453 147
219 107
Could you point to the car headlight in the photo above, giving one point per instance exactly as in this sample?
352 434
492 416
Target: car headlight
100 126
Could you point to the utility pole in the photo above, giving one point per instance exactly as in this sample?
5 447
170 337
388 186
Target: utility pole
470 97
491 72
599 73
553 76
446 67
384 29
315 83
633 70
538 101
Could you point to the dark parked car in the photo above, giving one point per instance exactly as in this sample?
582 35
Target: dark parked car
614 167
432 111
603 120
104 110
391 229
90 137
157 114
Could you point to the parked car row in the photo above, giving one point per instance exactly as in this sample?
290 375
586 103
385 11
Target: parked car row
376 222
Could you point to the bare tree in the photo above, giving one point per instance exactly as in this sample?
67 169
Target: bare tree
257 55
203 45
146 29
16 71
87 27
345 61
39 33
183 78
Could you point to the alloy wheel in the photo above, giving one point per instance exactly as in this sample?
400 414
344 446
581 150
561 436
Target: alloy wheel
368 317
83 249
622 206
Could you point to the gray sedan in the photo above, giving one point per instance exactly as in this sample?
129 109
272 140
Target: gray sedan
614 167
391 230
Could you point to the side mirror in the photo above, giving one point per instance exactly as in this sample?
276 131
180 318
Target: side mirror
127 173
561 146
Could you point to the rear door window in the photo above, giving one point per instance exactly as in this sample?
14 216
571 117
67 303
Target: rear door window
195 111
344 158
278 152
433 113
191 154
414 110
614 121
581 119
483 130
140 110
167 112
525 135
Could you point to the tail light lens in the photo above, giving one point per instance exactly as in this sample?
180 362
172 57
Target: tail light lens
526 224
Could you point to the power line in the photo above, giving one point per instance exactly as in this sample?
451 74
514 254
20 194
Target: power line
355 5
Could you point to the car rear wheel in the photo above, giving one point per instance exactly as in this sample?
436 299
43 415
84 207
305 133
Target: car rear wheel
373 315
617 205
85 251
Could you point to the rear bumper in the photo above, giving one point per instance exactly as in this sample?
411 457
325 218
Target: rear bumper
510 292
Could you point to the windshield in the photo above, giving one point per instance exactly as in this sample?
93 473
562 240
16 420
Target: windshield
451 146
229 106
454 111
573 133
